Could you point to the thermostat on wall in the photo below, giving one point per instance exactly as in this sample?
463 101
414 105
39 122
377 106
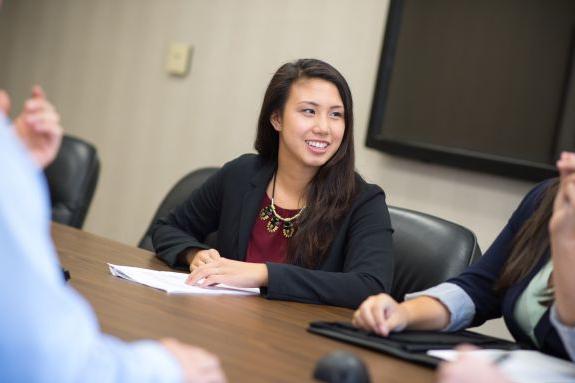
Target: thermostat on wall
178 60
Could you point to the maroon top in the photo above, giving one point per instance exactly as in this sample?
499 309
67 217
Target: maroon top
265 246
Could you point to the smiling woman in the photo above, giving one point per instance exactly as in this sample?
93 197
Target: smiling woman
296 219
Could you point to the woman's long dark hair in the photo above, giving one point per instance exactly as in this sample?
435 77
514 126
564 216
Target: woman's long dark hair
331 191
531 243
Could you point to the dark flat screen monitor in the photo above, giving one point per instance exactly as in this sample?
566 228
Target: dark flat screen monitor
487 85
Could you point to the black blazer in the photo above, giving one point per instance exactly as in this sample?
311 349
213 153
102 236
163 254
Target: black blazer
359 263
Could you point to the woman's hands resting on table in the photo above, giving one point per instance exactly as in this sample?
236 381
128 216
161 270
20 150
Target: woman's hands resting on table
210 268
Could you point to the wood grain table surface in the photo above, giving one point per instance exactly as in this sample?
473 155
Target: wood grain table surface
257 340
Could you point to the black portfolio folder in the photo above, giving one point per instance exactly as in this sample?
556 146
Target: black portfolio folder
408 345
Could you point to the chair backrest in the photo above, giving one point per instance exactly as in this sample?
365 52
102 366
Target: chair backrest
177 195
428 250
72 180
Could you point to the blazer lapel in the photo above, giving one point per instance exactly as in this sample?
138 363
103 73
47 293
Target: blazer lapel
250 206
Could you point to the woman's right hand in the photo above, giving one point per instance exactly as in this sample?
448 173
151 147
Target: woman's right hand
381 314
198 258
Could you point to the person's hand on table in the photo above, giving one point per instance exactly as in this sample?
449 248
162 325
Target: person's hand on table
469 368
380 314
38 126
229 272
198 258
198 365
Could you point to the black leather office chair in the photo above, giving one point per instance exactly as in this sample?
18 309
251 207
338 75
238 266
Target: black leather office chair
176 196
72 180
428 250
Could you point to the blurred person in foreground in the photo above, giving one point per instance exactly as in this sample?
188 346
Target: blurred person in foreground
48 332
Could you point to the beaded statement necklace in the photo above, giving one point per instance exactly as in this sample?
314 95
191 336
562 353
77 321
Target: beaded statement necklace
274 220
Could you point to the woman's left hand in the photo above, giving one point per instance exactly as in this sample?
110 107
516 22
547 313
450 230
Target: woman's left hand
229 272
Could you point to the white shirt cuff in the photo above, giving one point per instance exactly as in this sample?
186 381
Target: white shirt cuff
566 333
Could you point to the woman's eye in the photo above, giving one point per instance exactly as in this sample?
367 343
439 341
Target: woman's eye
308 111
337 114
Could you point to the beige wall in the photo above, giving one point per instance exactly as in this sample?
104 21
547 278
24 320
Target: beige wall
101 62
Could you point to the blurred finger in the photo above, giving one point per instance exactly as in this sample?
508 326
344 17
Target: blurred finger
379 318
38 92
394 322
37 105
357 320
200 273
195 276
212 279
4 102
214 254
43 117
566 164
197 263
368 319
569 191
47 131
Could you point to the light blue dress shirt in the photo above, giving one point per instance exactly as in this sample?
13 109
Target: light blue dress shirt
48 332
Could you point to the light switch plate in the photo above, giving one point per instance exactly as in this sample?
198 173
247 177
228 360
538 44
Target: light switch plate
179 57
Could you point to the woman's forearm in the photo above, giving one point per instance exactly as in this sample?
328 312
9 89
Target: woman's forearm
426 313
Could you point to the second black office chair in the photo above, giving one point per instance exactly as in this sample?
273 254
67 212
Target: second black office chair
428 250
176 196
72 180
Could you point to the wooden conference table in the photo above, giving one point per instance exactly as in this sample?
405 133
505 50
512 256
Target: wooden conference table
257 340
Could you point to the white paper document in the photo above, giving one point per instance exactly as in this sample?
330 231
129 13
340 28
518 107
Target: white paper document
524 366
174 283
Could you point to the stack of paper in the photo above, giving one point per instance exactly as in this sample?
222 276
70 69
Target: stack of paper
523 366
172 282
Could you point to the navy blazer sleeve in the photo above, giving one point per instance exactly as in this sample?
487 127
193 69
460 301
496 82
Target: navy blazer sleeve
479 279
367 264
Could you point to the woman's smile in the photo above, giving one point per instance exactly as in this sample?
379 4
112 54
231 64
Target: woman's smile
317 146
